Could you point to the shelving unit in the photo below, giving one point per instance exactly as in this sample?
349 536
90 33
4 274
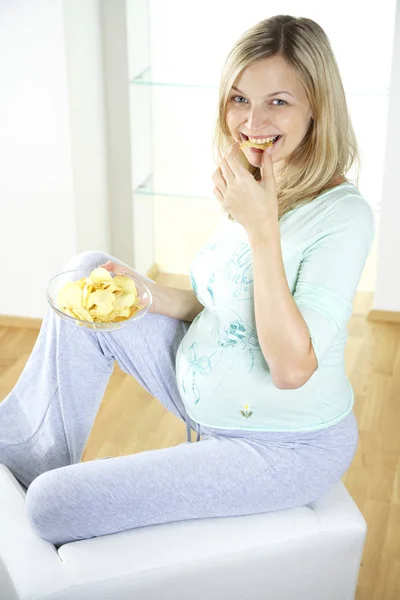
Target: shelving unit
171 159
180 155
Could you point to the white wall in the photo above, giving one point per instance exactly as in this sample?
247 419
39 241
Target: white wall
53 190
387 295
87 120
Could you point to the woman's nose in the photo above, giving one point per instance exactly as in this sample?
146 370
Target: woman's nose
257 121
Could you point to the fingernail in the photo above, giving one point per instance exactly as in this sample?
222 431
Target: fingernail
269 150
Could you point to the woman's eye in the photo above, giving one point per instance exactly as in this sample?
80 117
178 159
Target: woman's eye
235 99
279 100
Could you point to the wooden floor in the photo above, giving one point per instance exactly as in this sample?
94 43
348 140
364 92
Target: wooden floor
130 421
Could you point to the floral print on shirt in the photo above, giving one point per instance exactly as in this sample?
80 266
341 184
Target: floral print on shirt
198 365
238 269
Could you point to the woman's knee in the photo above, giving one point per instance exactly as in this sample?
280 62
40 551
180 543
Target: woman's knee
87 260
43 503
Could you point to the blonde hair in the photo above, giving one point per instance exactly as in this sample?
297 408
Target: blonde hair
329 147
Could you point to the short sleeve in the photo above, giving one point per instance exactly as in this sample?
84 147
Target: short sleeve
331 268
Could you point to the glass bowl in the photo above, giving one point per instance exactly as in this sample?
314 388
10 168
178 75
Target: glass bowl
56 283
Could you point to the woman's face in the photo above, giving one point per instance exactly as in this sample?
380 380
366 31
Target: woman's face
267 100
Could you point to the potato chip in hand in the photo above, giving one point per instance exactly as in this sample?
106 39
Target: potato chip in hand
99 298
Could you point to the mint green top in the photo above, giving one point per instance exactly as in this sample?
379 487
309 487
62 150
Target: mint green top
223 377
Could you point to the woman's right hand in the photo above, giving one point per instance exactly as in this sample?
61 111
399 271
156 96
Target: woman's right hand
120 270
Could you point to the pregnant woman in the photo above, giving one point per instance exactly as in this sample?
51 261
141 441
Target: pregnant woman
252 358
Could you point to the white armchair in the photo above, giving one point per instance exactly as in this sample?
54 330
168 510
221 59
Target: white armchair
307 553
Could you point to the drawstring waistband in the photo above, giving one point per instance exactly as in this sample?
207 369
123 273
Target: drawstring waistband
188 433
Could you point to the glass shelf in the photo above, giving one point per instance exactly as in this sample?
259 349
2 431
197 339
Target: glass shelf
145 78
147 189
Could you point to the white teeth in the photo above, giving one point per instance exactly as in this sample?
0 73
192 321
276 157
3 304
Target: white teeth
262 140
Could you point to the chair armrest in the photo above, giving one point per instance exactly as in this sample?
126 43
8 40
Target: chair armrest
30 567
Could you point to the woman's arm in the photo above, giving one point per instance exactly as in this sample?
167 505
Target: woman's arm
282 332
174 302
296 332
169 301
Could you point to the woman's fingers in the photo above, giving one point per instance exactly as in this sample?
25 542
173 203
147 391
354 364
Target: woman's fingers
109 265
267 170
227 172
218 194
232 159
218 179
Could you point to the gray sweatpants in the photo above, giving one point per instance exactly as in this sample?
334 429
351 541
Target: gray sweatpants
46 420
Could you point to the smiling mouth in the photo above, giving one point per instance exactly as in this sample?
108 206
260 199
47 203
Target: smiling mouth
261 144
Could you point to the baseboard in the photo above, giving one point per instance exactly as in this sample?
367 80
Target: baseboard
30 323
23 322
388 316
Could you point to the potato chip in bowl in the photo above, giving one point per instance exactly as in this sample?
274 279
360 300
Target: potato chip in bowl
98 299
